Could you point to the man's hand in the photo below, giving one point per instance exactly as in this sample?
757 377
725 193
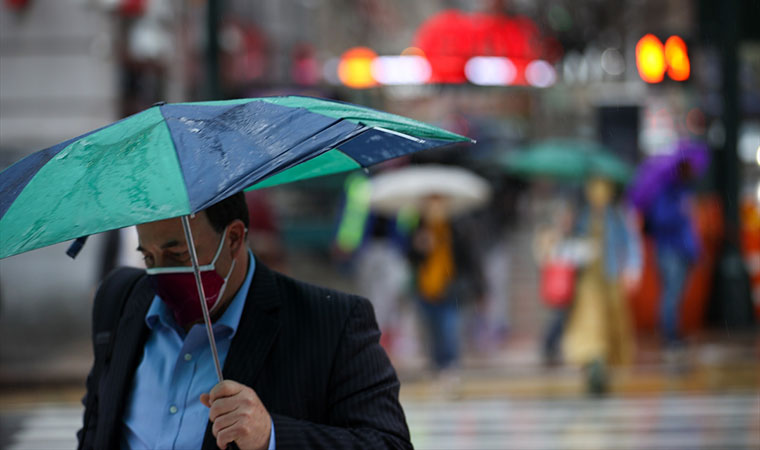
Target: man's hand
238 415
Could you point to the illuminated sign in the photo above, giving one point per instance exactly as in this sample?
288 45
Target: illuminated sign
485 49
355 68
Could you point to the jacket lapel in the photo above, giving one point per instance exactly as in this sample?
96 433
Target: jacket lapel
130 337
257 331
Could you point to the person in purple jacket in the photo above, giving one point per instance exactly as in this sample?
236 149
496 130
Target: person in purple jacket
669 223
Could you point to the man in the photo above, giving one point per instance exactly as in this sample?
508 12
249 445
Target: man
303 367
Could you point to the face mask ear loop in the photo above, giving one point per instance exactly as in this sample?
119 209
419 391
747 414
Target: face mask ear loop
219 249
223 288
227 277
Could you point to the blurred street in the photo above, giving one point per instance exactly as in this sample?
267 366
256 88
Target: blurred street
560 238
712 406
726 421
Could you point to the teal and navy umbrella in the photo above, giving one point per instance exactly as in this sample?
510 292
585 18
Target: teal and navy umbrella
177 159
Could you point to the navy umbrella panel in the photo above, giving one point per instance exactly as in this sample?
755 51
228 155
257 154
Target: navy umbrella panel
225 149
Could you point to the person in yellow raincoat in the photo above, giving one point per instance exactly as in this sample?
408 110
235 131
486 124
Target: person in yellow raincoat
599 331
445 273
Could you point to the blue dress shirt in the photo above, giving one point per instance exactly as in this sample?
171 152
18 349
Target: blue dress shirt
164 410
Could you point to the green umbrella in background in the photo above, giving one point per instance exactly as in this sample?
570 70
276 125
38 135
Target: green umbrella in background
567 159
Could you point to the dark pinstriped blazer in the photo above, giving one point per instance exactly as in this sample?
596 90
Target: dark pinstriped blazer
311 354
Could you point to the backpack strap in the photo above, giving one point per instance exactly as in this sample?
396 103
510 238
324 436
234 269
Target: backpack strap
111 296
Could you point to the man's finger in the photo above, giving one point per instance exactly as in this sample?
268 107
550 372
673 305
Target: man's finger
223 422
226 388
226 436
206 400
221 407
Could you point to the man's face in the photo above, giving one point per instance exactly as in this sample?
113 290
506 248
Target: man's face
163 243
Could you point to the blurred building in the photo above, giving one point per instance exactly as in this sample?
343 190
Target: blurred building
58 76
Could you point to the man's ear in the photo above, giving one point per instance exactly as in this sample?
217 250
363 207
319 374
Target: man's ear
236 235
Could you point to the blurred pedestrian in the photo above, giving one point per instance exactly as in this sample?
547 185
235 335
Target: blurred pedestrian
371 247
382 274
662 192
668 220
551 233
599 331
440 264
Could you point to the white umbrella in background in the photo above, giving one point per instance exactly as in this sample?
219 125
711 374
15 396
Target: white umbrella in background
395 190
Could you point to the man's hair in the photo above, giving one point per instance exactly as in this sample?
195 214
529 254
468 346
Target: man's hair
228 210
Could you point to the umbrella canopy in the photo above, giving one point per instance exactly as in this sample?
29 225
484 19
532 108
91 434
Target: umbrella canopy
407 187
176 159
660 171
568 159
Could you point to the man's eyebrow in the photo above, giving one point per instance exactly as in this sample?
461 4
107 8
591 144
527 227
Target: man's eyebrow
166 245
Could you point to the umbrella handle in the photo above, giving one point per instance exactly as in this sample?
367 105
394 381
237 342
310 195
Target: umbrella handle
204 308
202 296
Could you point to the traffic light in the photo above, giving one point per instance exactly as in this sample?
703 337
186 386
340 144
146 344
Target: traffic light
677 59
650 59
654 60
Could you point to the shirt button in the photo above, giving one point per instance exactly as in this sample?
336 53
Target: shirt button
173 409
188 356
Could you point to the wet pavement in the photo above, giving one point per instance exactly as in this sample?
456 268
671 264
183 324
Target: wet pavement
722 421
710 401
670 421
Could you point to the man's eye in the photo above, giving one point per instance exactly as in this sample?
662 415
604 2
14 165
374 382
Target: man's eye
181 256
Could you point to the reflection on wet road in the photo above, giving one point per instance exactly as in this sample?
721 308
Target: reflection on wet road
728 421
725 421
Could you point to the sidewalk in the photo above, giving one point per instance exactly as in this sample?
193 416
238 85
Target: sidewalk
708 366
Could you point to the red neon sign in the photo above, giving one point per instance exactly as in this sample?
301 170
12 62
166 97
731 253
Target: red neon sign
451 38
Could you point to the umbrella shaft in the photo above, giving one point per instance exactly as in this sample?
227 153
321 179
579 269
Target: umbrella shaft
202 295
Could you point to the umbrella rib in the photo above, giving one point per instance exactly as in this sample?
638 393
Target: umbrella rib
400 134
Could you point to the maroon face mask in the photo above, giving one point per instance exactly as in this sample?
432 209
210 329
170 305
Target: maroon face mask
176 287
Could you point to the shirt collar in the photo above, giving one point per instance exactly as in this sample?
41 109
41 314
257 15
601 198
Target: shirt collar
160 313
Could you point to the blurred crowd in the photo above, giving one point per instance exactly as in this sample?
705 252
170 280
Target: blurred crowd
619 254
